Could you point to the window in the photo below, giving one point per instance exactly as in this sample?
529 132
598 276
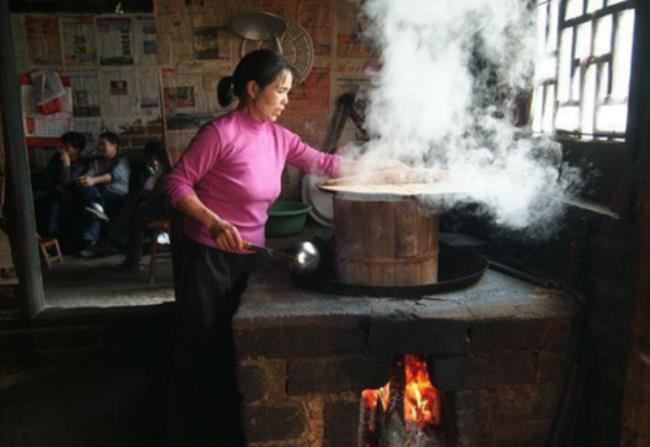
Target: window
582 74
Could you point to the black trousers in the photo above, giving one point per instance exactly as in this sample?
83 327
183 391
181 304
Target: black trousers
204 404
129 227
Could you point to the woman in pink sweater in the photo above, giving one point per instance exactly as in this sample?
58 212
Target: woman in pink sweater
223 184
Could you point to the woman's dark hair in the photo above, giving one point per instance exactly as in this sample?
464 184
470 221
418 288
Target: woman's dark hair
74 139
262 66
111 137
155 149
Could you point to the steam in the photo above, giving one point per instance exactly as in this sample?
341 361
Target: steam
445 98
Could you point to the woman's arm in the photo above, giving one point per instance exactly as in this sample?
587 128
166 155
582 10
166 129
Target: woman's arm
197 160
306 158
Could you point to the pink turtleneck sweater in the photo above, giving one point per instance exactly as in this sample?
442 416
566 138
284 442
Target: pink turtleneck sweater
234 165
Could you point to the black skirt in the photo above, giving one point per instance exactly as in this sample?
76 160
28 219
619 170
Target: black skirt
204 402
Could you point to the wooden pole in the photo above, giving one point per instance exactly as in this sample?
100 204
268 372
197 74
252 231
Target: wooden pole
163 117
19 193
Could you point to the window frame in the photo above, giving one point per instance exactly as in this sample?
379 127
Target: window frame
579 68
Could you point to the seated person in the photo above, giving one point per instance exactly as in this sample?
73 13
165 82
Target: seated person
103 187
57 180
145 204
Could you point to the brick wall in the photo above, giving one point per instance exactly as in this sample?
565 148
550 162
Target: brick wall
502 364
508 398
499 396
500 358
87 383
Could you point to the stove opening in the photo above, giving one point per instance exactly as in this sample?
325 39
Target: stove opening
407 411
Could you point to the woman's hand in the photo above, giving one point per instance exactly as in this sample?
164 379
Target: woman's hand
226 236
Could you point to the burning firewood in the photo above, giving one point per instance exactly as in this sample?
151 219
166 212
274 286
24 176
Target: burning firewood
403 413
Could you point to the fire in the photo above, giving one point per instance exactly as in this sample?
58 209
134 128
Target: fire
371 397
421 402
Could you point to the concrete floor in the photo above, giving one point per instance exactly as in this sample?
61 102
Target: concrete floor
90 283
81 282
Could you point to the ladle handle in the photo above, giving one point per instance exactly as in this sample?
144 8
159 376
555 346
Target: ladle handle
268 251
252 247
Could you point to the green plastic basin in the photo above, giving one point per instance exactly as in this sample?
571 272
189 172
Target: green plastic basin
286 218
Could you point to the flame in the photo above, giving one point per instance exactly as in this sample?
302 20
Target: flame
371 397
421 402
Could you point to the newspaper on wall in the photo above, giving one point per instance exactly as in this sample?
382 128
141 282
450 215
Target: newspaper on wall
85 93
149 90
115 40
91 128
206 43
144 40
43 40
79 41
118 92
180 89
187 97
351 41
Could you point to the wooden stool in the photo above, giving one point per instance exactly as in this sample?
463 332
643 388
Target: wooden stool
157 227
7 271
46 245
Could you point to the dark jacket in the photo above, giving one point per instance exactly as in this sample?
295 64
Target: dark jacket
58 177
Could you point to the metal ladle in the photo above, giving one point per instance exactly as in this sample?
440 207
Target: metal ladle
305 259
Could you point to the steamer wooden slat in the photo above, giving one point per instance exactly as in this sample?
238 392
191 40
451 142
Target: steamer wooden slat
348 220
385 243
406 228
379 221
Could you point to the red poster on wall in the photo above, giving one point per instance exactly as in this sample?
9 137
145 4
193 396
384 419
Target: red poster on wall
45 129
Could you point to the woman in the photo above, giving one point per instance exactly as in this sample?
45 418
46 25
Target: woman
223 184
103 187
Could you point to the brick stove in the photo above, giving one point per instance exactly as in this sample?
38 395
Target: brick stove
498 352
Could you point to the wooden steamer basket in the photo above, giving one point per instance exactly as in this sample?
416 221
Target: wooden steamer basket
385 241
384 235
